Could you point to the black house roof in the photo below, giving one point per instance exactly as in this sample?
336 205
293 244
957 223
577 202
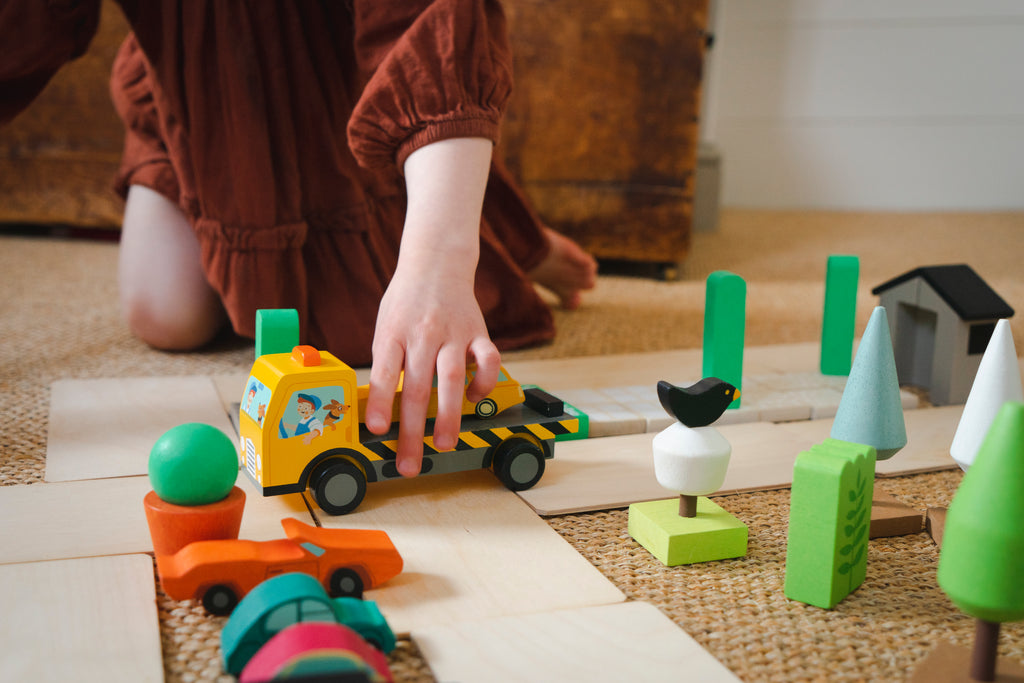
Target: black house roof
961 288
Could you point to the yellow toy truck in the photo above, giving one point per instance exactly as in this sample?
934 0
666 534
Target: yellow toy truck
300 425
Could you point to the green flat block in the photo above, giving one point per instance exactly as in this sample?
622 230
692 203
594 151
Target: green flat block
277 330
725 315
838 321
713 534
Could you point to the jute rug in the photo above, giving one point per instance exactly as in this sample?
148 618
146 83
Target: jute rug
59 319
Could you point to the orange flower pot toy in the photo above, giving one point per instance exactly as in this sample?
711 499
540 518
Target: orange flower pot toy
193 468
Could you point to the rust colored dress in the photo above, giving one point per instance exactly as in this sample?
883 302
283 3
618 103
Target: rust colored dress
280 129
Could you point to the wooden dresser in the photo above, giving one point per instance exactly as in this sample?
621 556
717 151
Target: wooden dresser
602 130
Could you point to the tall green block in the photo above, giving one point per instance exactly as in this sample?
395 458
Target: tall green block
829 517
277 330
839 318
725 314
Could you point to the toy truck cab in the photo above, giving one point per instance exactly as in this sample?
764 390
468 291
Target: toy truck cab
300 427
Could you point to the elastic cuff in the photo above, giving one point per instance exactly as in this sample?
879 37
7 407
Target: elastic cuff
474 127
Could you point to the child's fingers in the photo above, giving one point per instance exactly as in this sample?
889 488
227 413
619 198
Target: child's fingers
416 389
451 387
387 364
488 364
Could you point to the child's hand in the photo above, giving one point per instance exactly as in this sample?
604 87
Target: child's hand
429 320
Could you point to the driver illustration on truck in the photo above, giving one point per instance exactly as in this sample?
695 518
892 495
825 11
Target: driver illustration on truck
301 426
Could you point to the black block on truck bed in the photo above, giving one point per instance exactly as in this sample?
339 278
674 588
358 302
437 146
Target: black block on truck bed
543 402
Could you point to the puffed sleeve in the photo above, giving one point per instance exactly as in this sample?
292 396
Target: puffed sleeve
433 70
38 37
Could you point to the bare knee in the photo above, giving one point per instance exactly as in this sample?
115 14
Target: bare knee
169 329
165 298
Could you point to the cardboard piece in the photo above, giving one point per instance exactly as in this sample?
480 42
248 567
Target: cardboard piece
472 550
630 641
602 474
949 663
101 428
935 524
891 517
106 517
86 620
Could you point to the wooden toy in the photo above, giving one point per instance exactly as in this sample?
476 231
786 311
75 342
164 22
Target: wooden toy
997 381
285 448
288 599
941 320
172 527
219 572
830 511
870 411
277 330
193 464
316 648
838 320
982 559
725 310
629 641
698 405
192 469
691 461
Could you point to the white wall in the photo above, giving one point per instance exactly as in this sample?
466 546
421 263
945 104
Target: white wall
868 104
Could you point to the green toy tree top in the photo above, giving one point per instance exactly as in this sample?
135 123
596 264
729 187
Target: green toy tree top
982 563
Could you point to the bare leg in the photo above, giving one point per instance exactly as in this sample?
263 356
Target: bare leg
165 298
567 270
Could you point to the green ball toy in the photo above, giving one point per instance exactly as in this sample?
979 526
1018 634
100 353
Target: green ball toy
193 464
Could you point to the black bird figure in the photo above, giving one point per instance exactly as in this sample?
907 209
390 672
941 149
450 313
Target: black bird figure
700 404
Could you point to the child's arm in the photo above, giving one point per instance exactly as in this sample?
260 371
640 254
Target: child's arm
429 317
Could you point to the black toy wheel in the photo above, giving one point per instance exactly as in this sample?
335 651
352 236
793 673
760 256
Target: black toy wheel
339 487
486 408
347 582
220 600
519 463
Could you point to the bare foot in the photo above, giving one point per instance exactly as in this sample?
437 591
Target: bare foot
567 270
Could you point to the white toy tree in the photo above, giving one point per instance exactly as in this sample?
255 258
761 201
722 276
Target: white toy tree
997 381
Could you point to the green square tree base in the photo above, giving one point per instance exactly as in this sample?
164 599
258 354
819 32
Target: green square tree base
713 534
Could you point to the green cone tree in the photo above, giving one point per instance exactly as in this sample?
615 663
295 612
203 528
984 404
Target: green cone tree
981 568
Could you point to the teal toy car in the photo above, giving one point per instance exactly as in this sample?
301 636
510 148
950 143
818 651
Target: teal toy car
290 599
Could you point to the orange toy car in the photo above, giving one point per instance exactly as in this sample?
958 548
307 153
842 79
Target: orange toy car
219 573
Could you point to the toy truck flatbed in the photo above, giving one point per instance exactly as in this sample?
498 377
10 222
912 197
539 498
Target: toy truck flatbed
286 447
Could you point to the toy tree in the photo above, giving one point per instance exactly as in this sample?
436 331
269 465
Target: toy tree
870 411
997 381
981 567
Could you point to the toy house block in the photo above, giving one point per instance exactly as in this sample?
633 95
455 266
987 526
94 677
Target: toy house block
839 319
941 319
830 506
713 534
725 311
277 330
